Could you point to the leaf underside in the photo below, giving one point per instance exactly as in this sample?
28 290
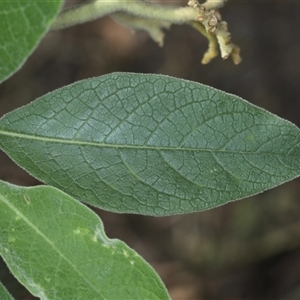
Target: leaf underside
22 25
151 144
57 248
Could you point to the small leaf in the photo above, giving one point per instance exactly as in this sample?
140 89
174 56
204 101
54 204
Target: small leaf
4 294
151 144
22 25
56 247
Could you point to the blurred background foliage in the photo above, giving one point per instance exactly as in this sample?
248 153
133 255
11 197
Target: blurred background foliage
248 249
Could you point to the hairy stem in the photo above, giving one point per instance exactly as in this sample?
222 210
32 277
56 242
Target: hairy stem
100 8
139 15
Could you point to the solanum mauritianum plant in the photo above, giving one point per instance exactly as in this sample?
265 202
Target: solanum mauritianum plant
127 143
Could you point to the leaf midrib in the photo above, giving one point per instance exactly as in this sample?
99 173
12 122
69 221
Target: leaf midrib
137 147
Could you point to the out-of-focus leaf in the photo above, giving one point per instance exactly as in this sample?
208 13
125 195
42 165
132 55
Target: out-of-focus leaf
151 144
22 25
4 294
56 247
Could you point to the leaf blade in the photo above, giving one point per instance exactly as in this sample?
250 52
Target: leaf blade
22 24
57 248
4 294
151 144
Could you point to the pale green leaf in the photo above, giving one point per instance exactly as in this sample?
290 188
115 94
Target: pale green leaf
56 247
22 24
4 294
151 144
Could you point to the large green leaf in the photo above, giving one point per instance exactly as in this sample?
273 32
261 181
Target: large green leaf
57 248
4 294
22 24
151 144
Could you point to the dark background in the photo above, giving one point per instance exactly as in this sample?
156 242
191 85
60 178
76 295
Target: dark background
248 249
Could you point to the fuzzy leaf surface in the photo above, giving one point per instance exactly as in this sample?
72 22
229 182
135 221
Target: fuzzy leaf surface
151 144
22 25
4 294
57 248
